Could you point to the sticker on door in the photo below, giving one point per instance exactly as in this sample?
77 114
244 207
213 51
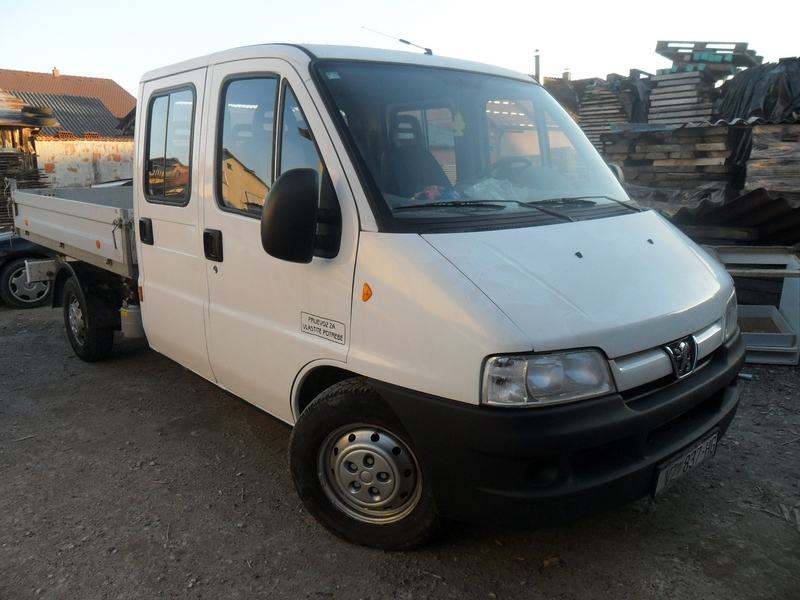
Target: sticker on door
327 329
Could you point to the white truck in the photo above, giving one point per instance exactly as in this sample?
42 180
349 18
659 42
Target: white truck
423 266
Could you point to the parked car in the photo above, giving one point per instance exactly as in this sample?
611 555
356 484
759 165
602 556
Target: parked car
114 183
420 263
15 291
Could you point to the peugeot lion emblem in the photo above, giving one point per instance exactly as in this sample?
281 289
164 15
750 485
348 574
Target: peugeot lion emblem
683 355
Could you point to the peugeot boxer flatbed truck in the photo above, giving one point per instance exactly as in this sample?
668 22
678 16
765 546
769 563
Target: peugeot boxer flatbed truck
419 263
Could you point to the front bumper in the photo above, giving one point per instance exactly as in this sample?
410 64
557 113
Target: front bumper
553 464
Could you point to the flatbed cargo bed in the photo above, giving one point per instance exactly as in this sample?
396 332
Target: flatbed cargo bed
94 225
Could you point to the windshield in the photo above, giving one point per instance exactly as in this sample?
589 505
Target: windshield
443 145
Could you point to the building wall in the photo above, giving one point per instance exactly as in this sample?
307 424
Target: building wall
81 163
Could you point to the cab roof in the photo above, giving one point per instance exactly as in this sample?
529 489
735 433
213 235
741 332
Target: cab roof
302 54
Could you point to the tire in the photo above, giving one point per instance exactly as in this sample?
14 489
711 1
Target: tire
16 292
332 444
89 344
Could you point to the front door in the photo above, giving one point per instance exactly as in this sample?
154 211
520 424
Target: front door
171 262
268 318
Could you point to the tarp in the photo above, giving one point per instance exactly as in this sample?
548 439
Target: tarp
633 94
770 91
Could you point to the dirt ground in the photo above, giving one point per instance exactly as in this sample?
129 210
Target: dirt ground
135 478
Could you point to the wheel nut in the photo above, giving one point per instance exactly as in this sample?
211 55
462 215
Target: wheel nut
369 461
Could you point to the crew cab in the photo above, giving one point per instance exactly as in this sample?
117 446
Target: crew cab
423 266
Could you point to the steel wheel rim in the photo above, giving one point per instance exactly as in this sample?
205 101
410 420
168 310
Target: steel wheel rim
370 474
25 292
76 322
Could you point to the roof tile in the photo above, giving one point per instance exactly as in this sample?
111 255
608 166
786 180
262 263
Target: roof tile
114 97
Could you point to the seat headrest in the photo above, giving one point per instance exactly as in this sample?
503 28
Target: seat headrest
406 131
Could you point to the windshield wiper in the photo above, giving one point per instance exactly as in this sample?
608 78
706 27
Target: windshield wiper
549 211
489 204
583 200
446 203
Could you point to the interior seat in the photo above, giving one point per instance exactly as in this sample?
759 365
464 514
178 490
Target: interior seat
408 166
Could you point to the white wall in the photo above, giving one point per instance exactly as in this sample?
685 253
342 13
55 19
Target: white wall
81 163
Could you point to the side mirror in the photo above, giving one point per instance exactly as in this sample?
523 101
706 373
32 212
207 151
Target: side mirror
289 219
617 171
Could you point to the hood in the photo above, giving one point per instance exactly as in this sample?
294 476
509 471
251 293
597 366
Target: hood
622 284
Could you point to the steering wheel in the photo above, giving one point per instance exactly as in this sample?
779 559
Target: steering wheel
504 167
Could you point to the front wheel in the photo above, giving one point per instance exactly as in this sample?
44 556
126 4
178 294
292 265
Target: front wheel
89 343
357 473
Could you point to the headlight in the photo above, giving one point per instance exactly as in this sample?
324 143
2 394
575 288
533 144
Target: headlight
731 317
540 379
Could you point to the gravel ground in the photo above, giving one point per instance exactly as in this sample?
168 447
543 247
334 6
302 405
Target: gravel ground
135 478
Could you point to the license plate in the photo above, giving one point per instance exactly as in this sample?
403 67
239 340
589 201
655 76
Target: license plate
675 468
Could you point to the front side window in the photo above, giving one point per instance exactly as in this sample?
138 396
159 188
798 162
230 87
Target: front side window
445 147
244 152
298 150
169 147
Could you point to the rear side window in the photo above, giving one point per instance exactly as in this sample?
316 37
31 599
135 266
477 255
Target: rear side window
512 131
169 147
244 154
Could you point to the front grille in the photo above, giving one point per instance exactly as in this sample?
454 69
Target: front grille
642 391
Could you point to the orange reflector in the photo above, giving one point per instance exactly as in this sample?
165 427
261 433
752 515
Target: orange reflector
366 292
98 244
26 222
141 294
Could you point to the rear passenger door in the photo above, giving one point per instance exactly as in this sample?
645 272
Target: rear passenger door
262 310
169 241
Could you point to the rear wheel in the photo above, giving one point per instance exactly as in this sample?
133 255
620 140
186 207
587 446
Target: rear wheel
15 290
357 473
89 343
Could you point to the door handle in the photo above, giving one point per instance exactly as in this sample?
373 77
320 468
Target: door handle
146 231
212 244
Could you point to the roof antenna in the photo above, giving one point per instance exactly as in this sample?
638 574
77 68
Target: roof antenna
427 51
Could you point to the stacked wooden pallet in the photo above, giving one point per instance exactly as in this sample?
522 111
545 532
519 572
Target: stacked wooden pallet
598 108
683 158
774 162
678 98
719 58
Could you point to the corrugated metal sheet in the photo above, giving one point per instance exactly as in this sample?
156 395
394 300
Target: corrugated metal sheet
774 218
76 114
114 97
740 121
645 127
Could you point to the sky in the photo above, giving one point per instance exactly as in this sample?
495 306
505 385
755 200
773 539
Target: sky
122 40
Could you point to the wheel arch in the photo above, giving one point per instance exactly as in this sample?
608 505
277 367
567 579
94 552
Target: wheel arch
101 289
313 380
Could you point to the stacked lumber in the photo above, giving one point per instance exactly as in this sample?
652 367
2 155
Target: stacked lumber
19 166
683 158
774 162
683 97
599 107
